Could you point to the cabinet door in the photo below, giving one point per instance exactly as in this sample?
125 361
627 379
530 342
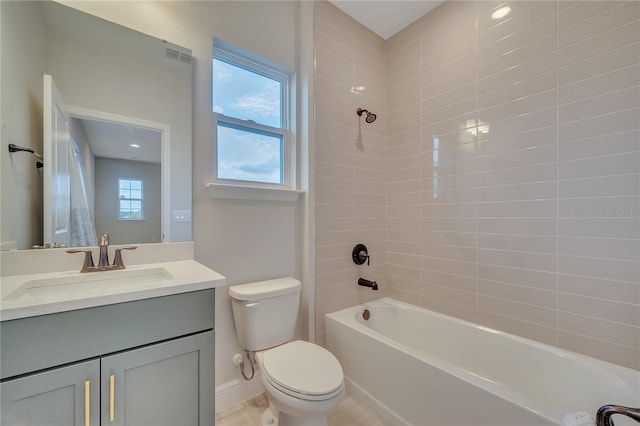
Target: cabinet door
64 396
170 384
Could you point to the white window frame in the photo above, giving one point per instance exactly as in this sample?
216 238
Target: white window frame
141 199
253 63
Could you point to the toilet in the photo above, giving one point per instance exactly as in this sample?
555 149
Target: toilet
303 381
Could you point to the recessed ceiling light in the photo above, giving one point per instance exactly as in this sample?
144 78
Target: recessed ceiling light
134 145
501 13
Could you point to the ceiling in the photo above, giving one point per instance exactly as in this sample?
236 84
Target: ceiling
386 17
113 140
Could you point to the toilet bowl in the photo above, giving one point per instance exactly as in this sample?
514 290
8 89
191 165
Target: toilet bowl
303 381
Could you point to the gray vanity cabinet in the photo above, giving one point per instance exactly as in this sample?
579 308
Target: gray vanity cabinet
55 398
148 362
157 385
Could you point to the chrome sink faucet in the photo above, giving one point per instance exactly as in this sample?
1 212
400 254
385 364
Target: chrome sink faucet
103 260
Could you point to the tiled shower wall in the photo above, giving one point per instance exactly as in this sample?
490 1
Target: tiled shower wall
513 170
350 160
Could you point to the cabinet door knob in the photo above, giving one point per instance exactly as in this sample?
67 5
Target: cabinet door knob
112 385
87 403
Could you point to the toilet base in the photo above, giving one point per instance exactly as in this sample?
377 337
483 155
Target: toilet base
283 419
268 418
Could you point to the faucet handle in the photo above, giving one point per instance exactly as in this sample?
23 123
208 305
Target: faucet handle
103 239
117 259
88 259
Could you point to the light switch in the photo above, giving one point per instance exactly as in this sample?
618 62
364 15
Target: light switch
182 215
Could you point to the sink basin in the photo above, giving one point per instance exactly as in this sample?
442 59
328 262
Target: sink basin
87 282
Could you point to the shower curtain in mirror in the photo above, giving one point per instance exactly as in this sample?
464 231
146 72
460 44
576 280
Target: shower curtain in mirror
83 230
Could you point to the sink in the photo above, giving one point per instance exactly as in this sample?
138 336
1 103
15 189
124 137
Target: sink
87 283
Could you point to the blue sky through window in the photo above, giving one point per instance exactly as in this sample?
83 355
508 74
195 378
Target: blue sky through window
246 95
246 153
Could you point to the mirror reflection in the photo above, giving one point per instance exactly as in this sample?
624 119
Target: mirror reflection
121 176
124 100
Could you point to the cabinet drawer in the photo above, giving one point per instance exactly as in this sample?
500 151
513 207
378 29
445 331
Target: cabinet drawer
36 343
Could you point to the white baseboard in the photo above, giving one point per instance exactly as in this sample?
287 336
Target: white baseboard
236 391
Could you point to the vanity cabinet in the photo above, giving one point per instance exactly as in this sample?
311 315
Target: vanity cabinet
55 397
148 362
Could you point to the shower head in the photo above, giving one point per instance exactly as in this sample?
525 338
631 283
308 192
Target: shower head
370 118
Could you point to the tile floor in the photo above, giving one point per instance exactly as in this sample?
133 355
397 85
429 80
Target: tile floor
352 411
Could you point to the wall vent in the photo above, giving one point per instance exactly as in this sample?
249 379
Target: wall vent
186 58
172 53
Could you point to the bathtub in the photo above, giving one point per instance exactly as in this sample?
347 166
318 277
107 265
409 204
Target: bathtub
425 368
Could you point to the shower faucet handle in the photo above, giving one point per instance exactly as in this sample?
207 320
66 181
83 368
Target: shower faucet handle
360 254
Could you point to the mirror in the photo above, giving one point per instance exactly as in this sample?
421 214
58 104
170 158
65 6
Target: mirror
108 76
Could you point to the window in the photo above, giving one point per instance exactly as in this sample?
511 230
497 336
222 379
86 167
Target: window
251 105
130 199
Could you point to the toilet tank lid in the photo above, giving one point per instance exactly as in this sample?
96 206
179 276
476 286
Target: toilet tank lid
265 289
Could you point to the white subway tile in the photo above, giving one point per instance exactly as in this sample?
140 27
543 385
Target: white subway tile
616 143
627 249
523 174
516 259
525 191
573 15
619 354
525 277
607 165
538 83
528 243
461 224
595 65
458 282
600 43
528 208
449 294
618 291
614 269
617 16
624 99
516 225
516 293
625 313
521 311
606 227
612 81
518 327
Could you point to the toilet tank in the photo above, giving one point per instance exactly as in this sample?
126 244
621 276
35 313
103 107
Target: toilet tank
265 312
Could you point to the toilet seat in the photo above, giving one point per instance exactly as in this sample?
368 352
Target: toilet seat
303 370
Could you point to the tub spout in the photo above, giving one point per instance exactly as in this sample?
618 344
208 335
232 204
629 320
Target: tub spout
366 283
603 418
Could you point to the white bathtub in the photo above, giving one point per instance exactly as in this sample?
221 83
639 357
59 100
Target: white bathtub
427 368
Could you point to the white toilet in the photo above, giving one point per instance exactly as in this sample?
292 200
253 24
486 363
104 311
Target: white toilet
303 381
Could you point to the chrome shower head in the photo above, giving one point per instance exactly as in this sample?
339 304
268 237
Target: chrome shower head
370 118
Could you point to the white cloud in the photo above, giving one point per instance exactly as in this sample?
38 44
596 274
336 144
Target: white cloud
218 109
266 103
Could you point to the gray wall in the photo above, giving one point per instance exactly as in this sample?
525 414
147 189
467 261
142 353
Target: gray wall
108 171
21 196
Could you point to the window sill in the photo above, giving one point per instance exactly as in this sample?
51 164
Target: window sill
219 190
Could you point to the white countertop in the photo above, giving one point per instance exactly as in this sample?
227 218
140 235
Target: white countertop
183 276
